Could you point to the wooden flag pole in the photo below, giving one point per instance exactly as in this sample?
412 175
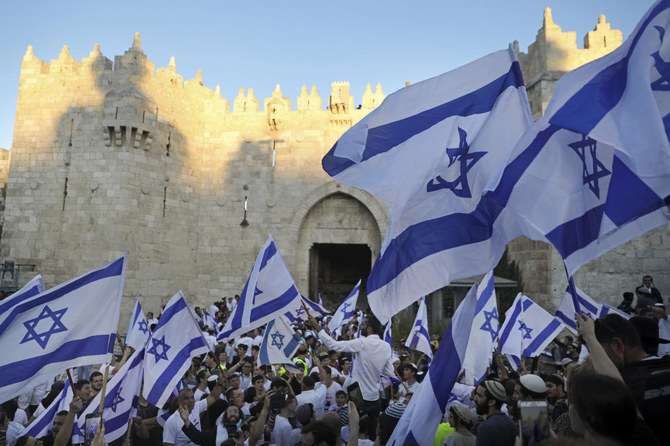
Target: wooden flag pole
69 376
103 390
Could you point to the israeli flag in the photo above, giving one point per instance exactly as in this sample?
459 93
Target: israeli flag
429 151
121 400
585 305
346 311
320 300
209 320
594 171
138 329
422 416
176 339
527 330
42 425
299 313
484 332
388 336
70 325
269 292
608 309
279 343
419 337
34 287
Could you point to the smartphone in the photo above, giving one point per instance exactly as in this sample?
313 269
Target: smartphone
355 395
233 428
93 420
534 424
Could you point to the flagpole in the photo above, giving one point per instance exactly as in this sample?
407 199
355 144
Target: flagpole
305 307
69 376
104 389
130 425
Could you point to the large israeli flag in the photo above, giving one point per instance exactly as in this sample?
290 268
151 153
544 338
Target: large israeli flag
121 400
269 292
42 425
138 329
429 151
422 416
484 332
176 339
299 313
70 325
594 172
34 287
419 337
346 310
527 330
279 343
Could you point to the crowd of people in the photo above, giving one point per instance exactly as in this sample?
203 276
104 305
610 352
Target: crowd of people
607 386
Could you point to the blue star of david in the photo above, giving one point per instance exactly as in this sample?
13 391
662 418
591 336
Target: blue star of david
56 327
663 67
159 344
345 307
117 399
277 340
525 330
460 186
143 326
299 311
488 326
597 168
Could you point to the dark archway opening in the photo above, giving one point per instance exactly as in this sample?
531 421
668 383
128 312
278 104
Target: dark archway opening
334 270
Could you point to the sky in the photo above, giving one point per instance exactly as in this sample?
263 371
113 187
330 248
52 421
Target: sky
259 43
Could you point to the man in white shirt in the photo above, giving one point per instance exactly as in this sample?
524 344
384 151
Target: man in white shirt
172 433
373 359
314 395
281 434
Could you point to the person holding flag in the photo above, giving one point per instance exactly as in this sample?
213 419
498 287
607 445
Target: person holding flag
373 360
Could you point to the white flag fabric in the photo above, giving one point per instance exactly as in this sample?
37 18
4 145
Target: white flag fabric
34 287
527 330
594 171
121 400
138 329
176 339
41 425
429 151
346 310
70 325
607 309
299 313
279 343
269 292
422 416
419 337
483 334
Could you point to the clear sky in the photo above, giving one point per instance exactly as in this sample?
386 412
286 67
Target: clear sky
259 43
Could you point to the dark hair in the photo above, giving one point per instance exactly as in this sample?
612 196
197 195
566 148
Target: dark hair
243 346
257 377
490 397
628 295
604 404
22 441
201 375
61 413
230 392
93 375
387 424
249 394
614 326
341 392
278 383
308 382
81 383
374 323
9 408
321 433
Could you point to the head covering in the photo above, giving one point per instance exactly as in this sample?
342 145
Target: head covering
555 379
533 383
395 410
648 329
496 389
304 413
463 412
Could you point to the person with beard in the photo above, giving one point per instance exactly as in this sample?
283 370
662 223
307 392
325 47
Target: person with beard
498 429
215 436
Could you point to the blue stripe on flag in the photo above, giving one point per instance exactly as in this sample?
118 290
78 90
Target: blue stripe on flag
171 370
17 371
385 137
449 367
509 327
263 352
113 269
275 304
597 98
291 346
577 233
270 251
539 339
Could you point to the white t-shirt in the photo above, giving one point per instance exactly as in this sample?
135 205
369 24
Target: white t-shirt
316 396
281 434
172 432
330 393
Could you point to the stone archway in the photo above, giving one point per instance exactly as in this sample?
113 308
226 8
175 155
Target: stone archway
337 224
